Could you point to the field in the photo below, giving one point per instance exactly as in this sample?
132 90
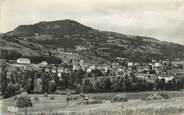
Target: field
135 106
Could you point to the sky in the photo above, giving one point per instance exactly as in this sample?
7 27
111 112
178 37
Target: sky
161 19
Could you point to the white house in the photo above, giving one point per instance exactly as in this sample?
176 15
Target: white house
43 64
23 61
130 64
167 78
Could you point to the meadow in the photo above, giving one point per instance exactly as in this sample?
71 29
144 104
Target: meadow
135 105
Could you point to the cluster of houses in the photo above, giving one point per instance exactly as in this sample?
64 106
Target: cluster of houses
146 71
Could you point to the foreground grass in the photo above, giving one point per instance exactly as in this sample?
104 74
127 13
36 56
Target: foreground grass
172 106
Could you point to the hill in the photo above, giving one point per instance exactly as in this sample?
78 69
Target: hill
55 37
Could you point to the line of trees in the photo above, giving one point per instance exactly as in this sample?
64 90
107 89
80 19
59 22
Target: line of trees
116 84
127 84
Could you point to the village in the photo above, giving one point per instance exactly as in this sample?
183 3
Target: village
81 77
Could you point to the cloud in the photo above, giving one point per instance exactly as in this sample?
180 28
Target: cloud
162 19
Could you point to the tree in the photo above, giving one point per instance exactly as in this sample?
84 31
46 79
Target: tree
162 84
23 101
87 86
107 84
52 86
10 90
45 81
3 79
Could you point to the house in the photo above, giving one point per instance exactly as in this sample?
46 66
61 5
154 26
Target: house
141 69
66 36
60 50
178 64
81 61
157 64
36 34
166 77
80 48
43 64
23 61
142 76
121 60
130 64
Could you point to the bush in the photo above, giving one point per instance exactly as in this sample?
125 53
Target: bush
21 90
45 94
23 101
114 99
154 97
52 86
119 98
36 98
164 95
87 100
123 99
52 98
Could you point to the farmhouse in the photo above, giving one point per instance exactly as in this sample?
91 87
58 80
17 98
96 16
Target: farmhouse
23 61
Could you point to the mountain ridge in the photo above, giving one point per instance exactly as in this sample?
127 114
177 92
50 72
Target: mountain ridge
66 26
73 36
